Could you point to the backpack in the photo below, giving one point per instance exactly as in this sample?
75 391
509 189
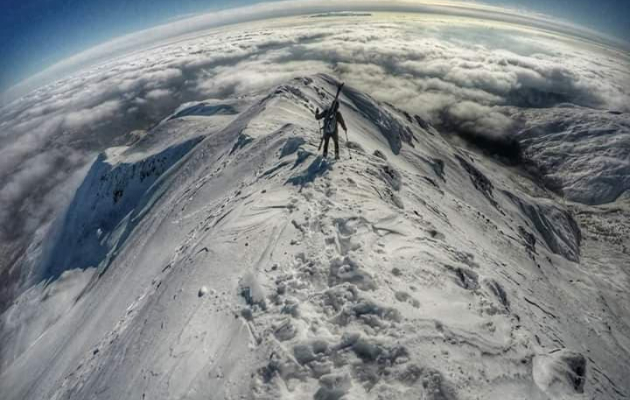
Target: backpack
330 121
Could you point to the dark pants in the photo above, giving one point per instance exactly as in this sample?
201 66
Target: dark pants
335 138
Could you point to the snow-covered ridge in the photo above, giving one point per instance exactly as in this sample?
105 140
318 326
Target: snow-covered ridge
123 183
245 265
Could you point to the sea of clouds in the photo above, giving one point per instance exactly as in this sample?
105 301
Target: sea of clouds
459 75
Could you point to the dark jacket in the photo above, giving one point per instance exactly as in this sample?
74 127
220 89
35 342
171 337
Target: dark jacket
320 115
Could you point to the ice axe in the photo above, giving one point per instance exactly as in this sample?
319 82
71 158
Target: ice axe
348 144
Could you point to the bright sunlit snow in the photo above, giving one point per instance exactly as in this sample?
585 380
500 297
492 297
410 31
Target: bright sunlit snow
170 229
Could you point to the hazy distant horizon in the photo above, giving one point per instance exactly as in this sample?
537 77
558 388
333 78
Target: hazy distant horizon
118 42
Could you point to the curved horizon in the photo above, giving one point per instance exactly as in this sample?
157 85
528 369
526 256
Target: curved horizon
182 26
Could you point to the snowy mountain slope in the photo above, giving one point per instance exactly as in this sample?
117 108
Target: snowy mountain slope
251 267
585 152
123 183
119 183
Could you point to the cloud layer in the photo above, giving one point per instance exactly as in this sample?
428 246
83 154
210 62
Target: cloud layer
454 72
178 30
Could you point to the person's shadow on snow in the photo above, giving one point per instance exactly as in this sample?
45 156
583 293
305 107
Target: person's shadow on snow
318 167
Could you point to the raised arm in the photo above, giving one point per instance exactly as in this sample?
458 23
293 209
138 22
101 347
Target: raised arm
319 115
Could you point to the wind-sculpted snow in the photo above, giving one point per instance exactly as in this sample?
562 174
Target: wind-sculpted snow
457 76
556 226
263 271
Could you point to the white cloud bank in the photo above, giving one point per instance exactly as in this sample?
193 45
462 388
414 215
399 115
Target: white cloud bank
179 29
446 69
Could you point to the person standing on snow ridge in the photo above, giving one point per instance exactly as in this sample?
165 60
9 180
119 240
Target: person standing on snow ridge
332 117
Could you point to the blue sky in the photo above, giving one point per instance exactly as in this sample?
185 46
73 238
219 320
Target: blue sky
39 33
42 32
